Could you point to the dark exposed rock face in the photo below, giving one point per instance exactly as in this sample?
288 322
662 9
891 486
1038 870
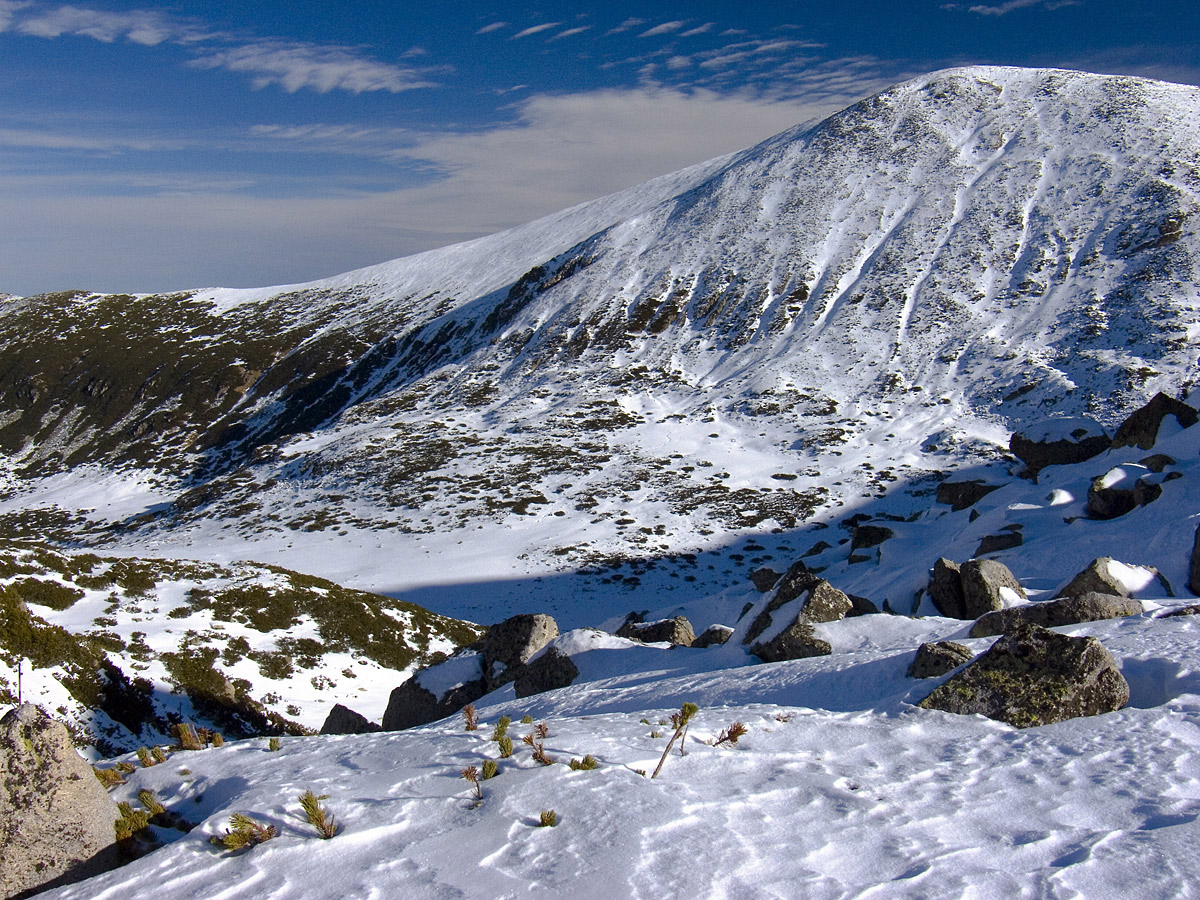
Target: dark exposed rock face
547 672
994 543
764 579
1089 607
983 581
861 606
1194 570
1075 440
1141 428
411 704
511 643
936 658
56 821
960 495
343 720
945 589
1122 489
674 631
797 641
870 536
1033 676
713 636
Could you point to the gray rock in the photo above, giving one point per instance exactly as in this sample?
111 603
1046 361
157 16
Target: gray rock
936 658
1096 578
1120 490
866 536
1190 610
994 543
512 643
713 636
982 581
411 704
861 606
1157 462
1032 677
945 589
823 603
798 641
960 495
343 720
764 579
795 582
674 631
1089 607
56 821
1141 428
1081 439
553 669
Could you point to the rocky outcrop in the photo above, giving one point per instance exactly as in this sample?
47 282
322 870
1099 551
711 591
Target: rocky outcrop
945 589
984 585
1100 577
1141 428
343 720
1122 489
673 631
797 641
802 599
1032 677
1058 442
1089 607
936 658
1194 567
546 672
56 821
413 704
713 636
511 643
960 495
764 579
994 543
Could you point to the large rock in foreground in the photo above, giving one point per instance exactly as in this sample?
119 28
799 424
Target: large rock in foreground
1033 676
56 821
1089 607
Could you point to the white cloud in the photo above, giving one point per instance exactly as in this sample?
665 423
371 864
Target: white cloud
626 25
1011 5
8 9
664 28
571 32
321 68
699 29
535 29
495 26
146 27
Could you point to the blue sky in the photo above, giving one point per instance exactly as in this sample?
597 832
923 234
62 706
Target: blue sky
194 144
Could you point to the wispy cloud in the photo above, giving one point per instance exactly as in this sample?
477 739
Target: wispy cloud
664 28
535 29
8 9
984 9
67 140
626 25
570 32
146 27
699 29
495 26
321 68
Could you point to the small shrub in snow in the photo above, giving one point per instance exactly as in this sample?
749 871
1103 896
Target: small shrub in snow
548 819
731 734
501 728
126 768
110 778
540 754
471 774
218 740
526 719
506 747
586 764
159 755
541 730
680 720
147 799
188 738
491 769
243 832
273 744
144 757
470 717
318 816
131 822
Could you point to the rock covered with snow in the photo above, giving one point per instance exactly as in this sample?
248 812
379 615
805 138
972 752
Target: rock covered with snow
1033 676
56 821
976 587
1105 575
1142 427
1122 489
1059 441
676 630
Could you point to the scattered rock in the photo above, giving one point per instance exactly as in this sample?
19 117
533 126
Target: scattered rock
825 603
963 494
1120 490
1157 462
713 636
994 543
984 583
552 669
865 536
674 631
343 720
1106 575
512 643
765 579
860 606
945 589
936 658
822 603
56 821
1194 570
1033 676
1190 610
1088 607
798 641
1058 442
1141 428
817 549
412 704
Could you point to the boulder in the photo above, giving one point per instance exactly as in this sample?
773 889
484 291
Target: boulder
1194 570
1033 676
825 603
512 643
945 589
960 495
552 669
865 536
1057 442
1089 607
795 582
713 636
1192 609
984 585
674 631
994 543
435 692
1120 490
822 602
936 658
56 821
1104 576
343 720
860 606
1141 428
764 579
798 641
